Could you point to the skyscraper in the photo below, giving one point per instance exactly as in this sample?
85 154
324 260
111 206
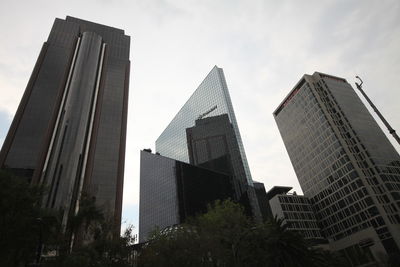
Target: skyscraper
205 130
69 130
345 165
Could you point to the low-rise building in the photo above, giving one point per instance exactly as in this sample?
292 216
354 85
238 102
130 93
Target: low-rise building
296 211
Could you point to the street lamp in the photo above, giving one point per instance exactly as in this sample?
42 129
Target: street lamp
40 241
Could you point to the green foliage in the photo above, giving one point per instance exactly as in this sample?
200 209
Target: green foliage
211 239
285 248
180 247
222 230
19 226
88 213
100 252
224 236
22 221
95 244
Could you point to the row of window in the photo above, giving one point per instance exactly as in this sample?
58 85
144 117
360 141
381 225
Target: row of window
331 195
309 234
302 224
296 207
293 199
299 215
355 199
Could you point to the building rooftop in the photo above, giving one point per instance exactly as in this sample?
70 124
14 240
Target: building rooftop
276 190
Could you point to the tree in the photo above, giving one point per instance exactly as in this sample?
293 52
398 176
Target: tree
210 239
224 236
284 247
95 244
222 230
19 224
207 240
24 225
103 251
175 247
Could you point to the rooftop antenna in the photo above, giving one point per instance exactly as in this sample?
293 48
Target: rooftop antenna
390 129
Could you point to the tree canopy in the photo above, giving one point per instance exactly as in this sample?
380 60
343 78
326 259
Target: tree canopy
19 224
224 236
27 230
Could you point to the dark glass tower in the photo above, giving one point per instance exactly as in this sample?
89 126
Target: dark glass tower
205 131
69 130
345 165
212 144
171 191
263 201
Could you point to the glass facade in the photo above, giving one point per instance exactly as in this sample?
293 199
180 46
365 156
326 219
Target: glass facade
158 205
211 142
70 128
263 201
210 100
342 159
171 191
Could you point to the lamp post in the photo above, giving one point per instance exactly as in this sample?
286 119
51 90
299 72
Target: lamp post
390 129
40 242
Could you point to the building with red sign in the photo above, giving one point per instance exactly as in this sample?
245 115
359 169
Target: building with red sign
345 164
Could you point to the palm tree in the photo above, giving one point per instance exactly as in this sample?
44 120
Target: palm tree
284 247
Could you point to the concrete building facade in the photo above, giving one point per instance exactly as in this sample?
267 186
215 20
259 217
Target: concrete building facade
295 211
345 164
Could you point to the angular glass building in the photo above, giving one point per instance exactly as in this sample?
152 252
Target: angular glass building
345 164
69 131
210 102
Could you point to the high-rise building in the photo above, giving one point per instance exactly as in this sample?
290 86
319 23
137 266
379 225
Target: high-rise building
345 164
69 130
205 133
171 191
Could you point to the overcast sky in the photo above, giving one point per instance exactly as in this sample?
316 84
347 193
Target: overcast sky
263 46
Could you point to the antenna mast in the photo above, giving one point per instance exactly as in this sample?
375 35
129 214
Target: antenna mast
390 129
